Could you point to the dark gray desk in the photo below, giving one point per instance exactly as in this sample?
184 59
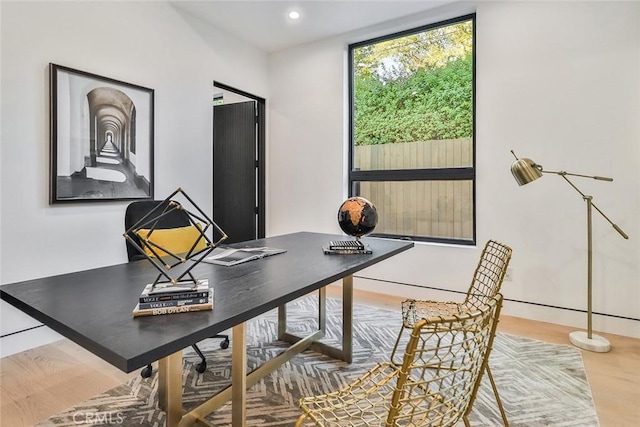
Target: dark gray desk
93 309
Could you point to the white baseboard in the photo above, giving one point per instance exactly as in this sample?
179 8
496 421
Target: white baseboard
560 316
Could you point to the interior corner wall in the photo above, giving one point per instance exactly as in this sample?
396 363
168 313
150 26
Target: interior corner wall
145 43
558 82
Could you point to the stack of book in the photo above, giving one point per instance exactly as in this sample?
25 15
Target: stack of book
179 298
346 247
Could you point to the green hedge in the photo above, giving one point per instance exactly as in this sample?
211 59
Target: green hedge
428 105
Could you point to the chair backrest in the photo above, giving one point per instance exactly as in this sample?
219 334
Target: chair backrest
442 367
489 274
137 210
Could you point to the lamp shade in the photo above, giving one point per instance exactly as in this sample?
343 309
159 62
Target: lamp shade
525 171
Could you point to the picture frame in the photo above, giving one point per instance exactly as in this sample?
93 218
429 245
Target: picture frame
101 138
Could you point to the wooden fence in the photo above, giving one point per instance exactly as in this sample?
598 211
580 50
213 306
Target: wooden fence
420 208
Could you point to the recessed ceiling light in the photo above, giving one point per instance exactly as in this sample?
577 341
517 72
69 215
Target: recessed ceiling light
294 14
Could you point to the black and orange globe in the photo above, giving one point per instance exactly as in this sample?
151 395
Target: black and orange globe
357 216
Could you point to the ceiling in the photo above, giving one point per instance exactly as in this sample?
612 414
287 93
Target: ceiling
265 23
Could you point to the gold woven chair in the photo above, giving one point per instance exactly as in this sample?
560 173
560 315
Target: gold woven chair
486 283
434 386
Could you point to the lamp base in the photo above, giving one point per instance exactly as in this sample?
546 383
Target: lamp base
595 343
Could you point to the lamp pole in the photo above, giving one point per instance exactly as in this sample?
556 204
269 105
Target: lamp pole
589 201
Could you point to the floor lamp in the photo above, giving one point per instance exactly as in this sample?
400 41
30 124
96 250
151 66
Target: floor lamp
526 170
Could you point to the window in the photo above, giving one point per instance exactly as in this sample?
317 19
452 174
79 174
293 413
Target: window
412 131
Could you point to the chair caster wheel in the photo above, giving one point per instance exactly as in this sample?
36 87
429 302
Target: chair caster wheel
224 344
201 367
146 372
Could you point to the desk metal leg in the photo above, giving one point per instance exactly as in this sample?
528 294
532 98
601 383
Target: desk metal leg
238 411
170 371
239 377
347 319
170 387
322 316
346 353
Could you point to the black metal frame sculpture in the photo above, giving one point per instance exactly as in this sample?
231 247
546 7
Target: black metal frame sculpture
164 263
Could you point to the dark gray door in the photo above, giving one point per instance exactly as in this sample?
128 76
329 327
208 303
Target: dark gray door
234 170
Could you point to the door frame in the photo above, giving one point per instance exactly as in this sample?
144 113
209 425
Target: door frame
261 141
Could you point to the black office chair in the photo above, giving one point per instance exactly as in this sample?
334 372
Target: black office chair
173 219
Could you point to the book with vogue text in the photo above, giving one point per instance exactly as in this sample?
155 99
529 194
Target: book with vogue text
174 302
180 291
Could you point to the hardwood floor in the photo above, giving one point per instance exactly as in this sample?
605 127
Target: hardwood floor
40 382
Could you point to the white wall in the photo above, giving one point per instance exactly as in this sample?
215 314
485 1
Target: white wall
556 81
145 43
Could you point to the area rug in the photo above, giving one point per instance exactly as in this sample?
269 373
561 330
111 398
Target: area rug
540 384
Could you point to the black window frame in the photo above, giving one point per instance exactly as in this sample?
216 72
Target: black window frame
433 174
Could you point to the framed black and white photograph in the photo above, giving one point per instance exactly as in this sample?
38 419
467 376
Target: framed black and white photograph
101 138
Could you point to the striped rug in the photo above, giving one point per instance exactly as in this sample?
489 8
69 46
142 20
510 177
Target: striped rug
540 384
